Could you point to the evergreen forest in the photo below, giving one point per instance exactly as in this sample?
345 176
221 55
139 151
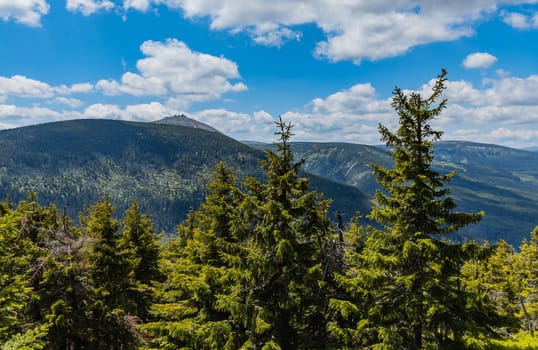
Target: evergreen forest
261 265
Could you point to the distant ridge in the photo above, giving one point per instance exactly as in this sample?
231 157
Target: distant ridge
183 120
164 167
502 181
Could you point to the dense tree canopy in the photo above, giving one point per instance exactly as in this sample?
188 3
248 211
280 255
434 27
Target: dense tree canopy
259 266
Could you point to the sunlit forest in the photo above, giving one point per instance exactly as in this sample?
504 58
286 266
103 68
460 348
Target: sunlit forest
262 265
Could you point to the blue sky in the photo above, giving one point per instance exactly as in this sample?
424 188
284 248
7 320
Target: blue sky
328 66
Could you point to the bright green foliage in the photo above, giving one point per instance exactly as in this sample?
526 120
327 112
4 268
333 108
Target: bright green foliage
198 306
520 341
526 276
14 292
408 277
32 339
494 282
110 275
507 280
347 302
138 244
288 229
30 231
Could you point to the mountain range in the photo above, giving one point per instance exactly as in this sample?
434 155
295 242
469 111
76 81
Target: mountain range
165 166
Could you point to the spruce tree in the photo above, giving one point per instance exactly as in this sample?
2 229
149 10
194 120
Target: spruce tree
198 305
410 280
110 276
288 229
138 245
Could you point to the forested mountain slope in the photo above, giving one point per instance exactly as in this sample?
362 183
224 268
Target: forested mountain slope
164 167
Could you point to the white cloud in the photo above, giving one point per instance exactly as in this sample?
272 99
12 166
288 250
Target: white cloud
145 112
81 88
140 5
277 37
13 116
71 102
21 86
27 12
354 30
148 112
502 110
227 121
360 98
172 69
503 134
103 111
263 117
88 7
513 91
479 60
520 20
332 127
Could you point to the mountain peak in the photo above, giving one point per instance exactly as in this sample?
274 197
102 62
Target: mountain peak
183 120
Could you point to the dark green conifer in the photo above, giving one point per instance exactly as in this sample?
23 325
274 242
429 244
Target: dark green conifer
138 245
288 228
110 275
408 278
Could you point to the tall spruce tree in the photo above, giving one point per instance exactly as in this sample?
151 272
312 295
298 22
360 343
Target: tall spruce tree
288 228
410 282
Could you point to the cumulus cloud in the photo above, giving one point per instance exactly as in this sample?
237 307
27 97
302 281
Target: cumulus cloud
148 112
503 134
239 125
277 37
354 30
502 110
21 86
103 111
13 116
71 102
171 68
88 7
479 60
27 12
520 20
140 5
359 99
80 88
